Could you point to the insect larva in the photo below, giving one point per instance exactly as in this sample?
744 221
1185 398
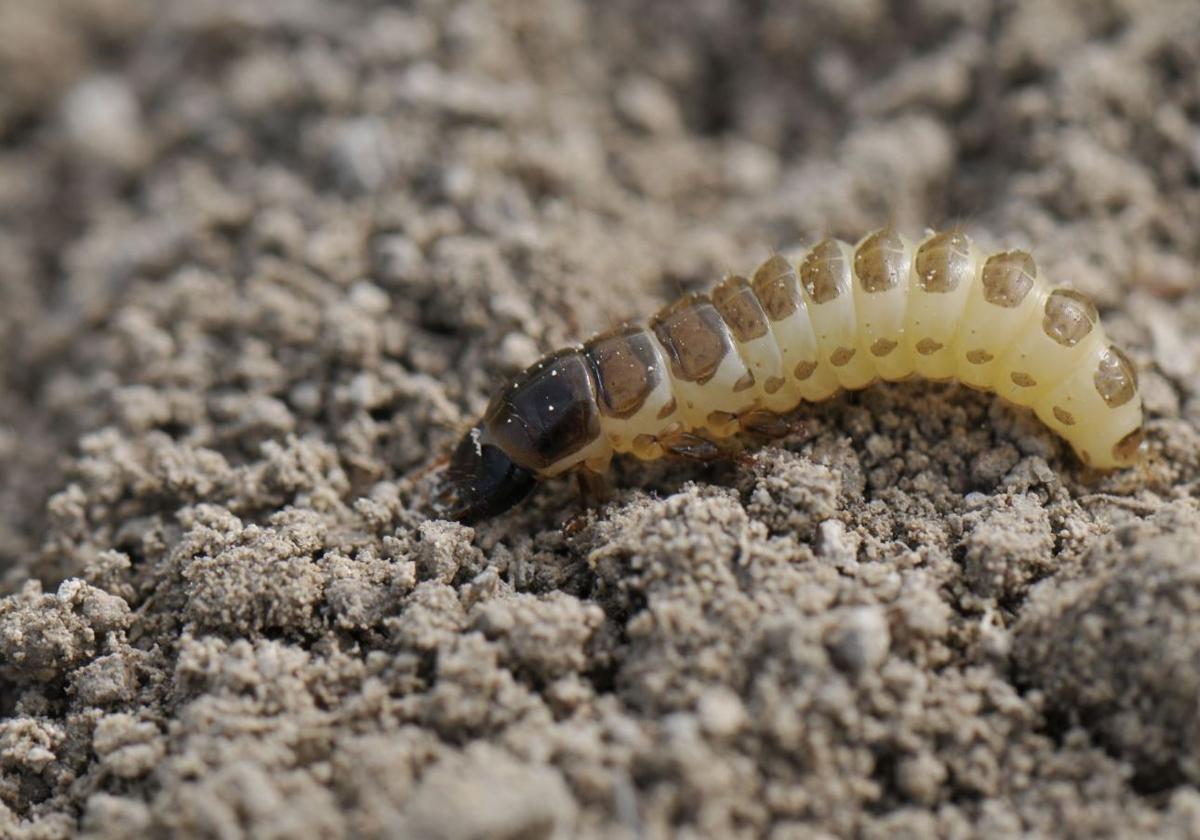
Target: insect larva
709 366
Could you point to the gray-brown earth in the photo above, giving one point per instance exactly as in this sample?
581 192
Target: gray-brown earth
259 262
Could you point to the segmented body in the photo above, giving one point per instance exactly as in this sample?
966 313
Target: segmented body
839 316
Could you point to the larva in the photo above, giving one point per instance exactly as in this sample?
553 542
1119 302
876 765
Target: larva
840 316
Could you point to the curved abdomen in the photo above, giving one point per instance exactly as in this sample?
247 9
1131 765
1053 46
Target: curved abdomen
839 316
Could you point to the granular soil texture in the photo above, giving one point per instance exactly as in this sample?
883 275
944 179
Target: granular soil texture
260 262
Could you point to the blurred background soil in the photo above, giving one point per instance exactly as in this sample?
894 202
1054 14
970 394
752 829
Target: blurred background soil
261 261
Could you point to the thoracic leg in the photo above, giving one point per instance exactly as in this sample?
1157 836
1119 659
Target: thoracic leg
593 487
767 425
696 447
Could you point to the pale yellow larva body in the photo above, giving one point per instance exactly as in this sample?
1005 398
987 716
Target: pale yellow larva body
827 280
998 309
801 329
791 325
881 296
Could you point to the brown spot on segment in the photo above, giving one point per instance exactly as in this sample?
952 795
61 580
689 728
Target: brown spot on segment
777 288
1063 416
773 384
1085 456
979 357
668 409
1007 278
694 336
545 413
627 368
943 262
1069 316
744 383
1115 378
735 300
879 261
842 356
1022 379
805 369
824 272
929 346
883 346
1126 449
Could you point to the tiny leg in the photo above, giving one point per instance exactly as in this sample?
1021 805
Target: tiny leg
694 447
766 426
593 487
593 490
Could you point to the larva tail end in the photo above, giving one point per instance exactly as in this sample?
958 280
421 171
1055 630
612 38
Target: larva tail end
482 481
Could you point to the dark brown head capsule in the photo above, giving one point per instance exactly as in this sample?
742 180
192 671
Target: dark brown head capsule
483 480
541 417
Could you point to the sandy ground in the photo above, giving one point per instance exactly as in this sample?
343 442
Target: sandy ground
261 261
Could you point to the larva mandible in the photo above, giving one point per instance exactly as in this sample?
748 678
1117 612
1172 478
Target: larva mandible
841 316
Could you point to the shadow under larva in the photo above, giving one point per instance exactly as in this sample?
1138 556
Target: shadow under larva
708 367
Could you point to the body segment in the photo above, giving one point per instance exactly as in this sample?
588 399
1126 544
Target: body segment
944 269
882 262
827 278
799 330
1006 298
